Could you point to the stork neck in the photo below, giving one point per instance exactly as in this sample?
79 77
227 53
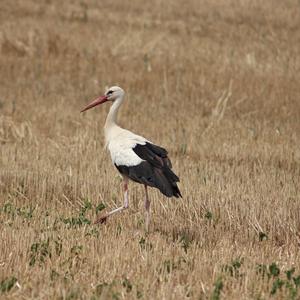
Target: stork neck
112 117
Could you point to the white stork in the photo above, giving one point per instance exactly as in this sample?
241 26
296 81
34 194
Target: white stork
135 157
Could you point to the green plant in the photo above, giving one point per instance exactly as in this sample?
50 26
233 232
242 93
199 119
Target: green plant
24 212
99 207
144 244
81 218
39 252
7 284
127 285
233 269
186 241
290 283
218 286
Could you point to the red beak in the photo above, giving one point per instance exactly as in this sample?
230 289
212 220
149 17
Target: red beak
96 102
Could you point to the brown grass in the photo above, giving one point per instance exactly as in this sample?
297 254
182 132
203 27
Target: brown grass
216 83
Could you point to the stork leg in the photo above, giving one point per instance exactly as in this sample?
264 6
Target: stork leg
103 219
147 208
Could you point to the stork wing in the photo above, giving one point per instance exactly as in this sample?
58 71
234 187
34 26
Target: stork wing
153 169
155 155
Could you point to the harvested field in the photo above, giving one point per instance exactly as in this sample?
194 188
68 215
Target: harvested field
216 83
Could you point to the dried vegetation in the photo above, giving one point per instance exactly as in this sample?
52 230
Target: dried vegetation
215 82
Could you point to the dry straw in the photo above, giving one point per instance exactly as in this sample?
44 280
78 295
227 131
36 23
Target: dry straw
216 83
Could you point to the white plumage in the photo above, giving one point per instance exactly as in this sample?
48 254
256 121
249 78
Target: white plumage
120 145
119 141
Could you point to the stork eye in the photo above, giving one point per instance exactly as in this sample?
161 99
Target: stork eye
109 93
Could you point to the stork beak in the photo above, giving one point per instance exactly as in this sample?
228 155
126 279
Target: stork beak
96 102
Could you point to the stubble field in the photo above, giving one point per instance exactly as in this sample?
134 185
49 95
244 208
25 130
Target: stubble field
216 83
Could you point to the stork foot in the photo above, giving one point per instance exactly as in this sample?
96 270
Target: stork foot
104 218
101 220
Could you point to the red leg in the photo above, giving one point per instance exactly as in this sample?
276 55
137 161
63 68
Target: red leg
103 219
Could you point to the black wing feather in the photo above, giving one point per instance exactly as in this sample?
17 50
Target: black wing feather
154 171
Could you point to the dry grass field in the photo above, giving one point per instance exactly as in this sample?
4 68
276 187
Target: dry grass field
216 82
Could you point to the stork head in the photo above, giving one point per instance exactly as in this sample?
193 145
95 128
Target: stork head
112 94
